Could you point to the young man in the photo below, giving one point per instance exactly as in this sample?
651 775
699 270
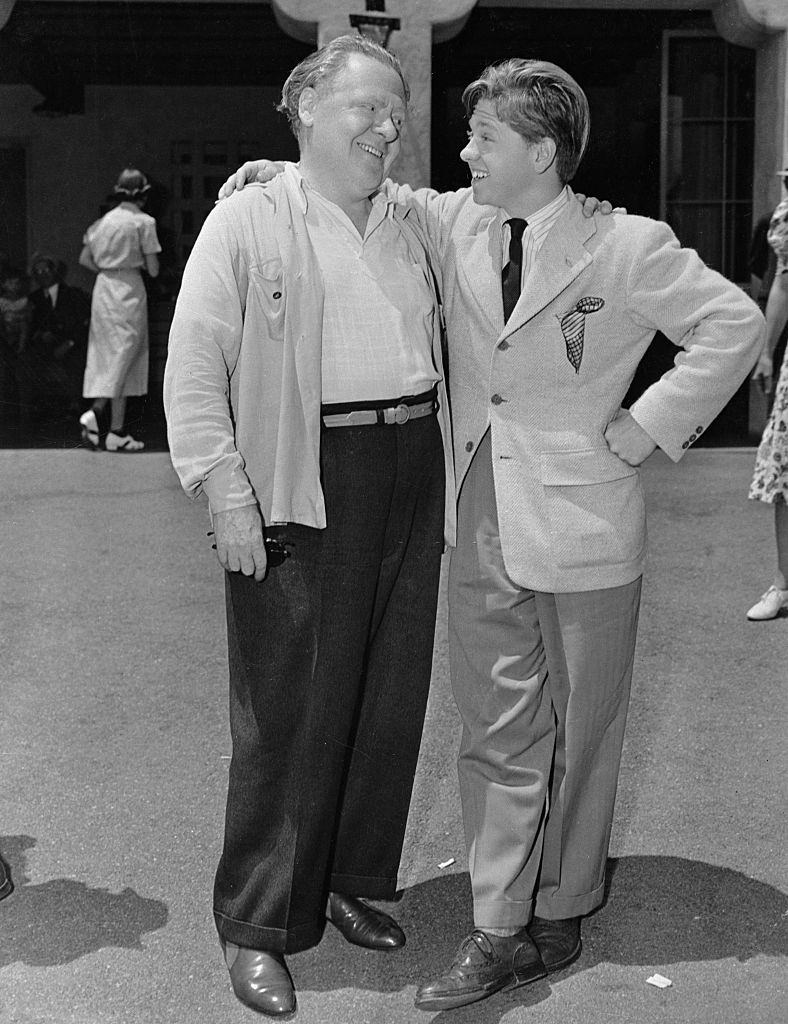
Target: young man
548 315
305 397
545 582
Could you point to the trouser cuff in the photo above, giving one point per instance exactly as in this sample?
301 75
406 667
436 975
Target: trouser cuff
502 913
558 907
269 940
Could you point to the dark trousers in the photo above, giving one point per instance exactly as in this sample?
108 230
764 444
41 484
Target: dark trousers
330 661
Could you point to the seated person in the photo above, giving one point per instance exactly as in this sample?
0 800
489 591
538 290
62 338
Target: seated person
15 316
52 364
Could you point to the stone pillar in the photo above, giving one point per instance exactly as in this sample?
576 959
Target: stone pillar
421 21
763 24
6 6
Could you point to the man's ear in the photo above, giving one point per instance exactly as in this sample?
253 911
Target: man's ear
544 154
306 107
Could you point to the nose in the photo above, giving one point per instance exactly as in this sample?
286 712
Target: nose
387 128
469 151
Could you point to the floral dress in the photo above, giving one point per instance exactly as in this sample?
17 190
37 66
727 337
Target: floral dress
770 479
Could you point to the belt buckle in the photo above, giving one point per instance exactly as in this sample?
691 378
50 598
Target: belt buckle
401 414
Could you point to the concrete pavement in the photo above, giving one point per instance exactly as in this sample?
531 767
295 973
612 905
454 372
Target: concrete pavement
113 762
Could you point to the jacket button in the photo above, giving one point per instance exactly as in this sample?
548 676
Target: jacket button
693 437
277 295
503 345
469 446
496 399
698 430
685 445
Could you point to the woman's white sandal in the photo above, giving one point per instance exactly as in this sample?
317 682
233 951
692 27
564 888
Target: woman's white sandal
122 443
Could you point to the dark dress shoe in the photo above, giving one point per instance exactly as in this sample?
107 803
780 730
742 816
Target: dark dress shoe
364 925
6 885
558 942
484 964
261 980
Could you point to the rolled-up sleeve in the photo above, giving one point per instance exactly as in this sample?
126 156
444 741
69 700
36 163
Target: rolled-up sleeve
204 345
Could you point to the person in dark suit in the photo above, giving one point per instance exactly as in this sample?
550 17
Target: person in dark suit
6 885
52 363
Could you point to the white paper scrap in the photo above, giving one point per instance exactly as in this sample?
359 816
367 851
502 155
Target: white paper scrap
446 863
658 981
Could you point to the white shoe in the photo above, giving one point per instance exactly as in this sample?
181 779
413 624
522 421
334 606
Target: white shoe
122 443
90 428
769 605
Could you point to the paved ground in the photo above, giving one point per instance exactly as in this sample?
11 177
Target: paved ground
113 760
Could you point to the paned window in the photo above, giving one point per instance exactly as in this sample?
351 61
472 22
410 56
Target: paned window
708 129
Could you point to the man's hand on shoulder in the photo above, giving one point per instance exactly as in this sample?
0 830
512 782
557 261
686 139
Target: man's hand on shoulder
592 205
238 533
252 170
628 440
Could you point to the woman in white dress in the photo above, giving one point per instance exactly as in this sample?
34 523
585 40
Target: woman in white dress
116 248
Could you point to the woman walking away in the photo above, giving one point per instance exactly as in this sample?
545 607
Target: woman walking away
116 248
770 480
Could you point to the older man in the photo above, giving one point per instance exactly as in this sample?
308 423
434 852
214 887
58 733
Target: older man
547 316
305 397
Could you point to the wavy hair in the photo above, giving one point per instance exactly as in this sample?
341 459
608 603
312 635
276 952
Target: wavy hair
538 100
324 65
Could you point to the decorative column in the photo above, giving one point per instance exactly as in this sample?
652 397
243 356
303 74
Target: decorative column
421 22
6 6
763 24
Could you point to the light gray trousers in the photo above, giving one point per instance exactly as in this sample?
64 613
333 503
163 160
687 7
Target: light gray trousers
542 685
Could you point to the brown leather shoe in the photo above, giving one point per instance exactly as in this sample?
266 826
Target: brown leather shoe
484 964
364 925
6 885
261 980
558 941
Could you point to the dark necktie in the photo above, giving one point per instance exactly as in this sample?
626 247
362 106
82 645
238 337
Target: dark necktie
512 272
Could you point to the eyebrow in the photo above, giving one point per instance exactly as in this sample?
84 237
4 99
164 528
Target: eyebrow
483 121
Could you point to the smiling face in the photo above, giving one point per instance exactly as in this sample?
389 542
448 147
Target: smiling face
507 170
350 130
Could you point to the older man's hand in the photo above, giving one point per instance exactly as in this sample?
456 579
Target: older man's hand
629 441
592 205
252 170
238 533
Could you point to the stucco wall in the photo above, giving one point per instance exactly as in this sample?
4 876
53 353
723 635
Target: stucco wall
84 153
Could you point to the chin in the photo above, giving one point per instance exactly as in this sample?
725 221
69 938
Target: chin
482 195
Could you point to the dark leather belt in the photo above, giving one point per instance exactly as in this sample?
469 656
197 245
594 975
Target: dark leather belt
410 408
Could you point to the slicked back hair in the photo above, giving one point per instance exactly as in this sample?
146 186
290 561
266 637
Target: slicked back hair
538 100
324 65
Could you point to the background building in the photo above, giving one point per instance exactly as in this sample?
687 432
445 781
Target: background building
688 109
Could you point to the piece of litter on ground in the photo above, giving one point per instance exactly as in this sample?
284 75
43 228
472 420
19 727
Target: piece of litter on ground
658 981
446 863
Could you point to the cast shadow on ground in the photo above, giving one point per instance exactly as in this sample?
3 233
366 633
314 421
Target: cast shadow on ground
658 911
61 920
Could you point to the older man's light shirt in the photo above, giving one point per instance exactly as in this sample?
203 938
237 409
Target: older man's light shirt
378 310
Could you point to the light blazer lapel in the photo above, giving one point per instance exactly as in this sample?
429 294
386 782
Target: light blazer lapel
479 270
562 257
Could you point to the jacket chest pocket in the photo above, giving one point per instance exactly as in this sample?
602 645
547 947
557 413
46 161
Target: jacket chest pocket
595 508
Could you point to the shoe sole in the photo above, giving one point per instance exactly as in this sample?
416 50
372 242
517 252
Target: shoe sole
264 1013
506 984
559 965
